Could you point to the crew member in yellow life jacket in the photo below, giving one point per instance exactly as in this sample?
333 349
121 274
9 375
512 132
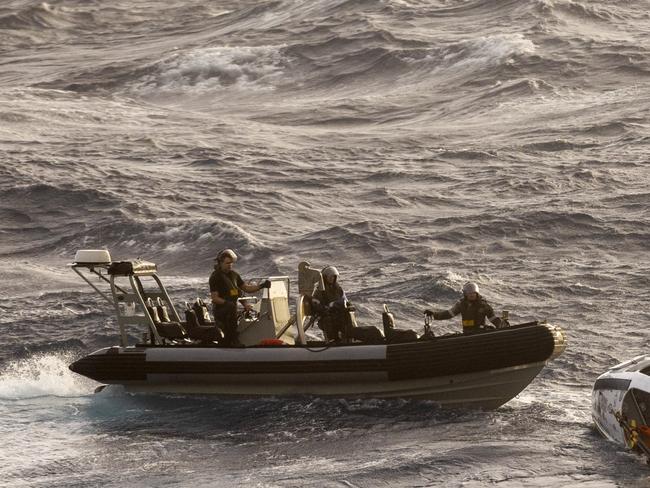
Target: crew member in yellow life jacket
474 309
225 288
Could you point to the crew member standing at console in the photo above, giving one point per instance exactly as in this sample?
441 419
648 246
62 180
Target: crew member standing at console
225 288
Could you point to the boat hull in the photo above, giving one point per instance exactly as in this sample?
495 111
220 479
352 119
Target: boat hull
622 396
487 390
482 370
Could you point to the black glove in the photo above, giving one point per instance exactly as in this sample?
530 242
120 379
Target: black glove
428 312
265 284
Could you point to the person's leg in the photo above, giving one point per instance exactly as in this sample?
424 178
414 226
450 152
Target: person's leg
227 315
326 325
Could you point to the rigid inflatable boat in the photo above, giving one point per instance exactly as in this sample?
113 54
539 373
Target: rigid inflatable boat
621 404
485 369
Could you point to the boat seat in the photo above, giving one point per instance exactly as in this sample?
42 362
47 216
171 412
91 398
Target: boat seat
171 330
202 312
393 335
366 334
397 336
163 313
166 329
198 332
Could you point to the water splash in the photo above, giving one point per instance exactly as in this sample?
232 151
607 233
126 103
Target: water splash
42 375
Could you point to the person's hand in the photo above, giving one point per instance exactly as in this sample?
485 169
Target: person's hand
265 284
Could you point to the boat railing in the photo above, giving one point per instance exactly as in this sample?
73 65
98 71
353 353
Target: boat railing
129 285
126 292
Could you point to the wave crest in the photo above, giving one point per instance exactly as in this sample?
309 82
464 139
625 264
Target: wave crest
207 69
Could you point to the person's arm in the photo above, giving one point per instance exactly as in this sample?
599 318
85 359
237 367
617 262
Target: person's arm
341 299
214 294
489 313
250 288
447 314
444 314
216 299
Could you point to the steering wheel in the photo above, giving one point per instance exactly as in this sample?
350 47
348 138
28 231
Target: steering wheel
248 313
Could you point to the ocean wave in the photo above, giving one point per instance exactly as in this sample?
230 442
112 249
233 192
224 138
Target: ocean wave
250 68
400 63
430 287
530 228
15 117
487 51
609 128
41 16
104 77
175 244
333 64
48 214
558 145
59 219
466 154
48 197
630 201
371 240
578 11
519 88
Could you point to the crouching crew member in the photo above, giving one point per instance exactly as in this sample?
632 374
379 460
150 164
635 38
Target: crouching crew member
225 288
474 309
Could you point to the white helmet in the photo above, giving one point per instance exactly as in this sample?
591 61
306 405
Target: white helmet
330 271
226 253
470 287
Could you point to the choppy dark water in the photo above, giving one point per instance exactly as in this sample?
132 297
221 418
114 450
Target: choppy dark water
415 144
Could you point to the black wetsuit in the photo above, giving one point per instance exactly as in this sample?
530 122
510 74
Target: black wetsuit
228 285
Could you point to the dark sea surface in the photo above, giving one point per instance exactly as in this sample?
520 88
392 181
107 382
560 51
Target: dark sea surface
413 144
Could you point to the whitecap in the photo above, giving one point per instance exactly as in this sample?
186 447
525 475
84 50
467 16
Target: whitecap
258 68
488 51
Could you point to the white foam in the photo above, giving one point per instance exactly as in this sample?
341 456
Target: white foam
201 70
42 375
487 51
